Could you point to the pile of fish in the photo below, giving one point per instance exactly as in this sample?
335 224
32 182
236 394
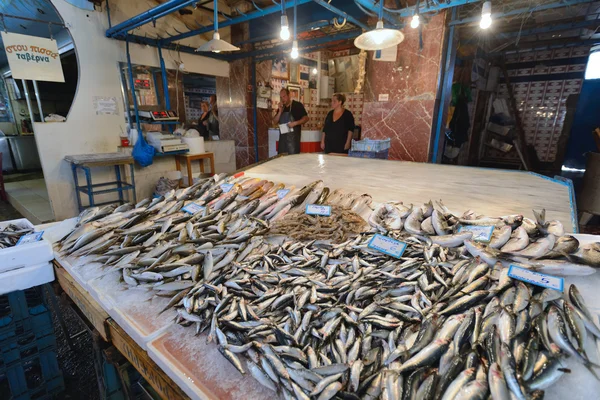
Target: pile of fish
316 319
340 225
10 235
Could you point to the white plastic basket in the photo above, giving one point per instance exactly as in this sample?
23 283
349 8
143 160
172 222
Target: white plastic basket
24 255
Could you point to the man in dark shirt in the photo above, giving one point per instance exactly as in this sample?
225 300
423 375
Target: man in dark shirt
293 114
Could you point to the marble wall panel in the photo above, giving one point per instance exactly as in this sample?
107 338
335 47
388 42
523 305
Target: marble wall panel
411 83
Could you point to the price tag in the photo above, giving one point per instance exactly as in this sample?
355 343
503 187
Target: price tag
535 278
193 208
226 187
281 193
315 209
30 238
480 233
387 245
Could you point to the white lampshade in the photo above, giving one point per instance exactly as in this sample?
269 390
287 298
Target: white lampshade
379 38
217 45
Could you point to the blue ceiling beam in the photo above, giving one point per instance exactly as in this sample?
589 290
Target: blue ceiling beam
550 29
387 17
426 8
342 14
525 10
152 14
237 20
302 44
304 28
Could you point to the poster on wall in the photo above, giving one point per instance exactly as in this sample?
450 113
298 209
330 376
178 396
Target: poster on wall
105 105
280 69
33 57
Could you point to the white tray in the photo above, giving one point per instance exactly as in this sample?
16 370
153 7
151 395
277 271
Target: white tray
24 255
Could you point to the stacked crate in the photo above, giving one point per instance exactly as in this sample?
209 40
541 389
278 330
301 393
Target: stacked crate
368 148
28 363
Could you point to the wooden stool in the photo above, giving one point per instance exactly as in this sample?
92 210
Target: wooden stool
193 157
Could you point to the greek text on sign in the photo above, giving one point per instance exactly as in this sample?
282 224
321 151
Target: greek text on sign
480 233
193 208
32 57
281 193
535 278
315 209
387 245
30 238
226 187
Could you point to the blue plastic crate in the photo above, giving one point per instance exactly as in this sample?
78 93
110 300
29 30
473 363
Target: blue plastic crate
383 154
37 378
24 311
371 145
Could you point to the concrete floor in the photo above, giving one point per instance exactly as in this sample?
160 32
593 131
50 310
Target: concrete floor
30 198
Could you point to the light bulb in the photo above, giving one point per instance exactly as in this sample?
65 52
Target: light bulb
486 15
314 71
414 22
294 53
284 34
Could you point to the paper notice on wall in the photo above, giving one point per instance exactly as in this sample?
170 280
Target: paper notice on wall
105 105
388 54
32 57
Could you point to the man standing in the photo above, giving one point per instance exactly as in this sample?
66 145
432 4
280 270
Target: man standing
293 114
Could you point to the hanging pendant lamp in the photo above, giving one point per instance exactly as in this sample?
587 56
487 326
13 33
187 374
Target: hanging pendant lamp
216 45
379 38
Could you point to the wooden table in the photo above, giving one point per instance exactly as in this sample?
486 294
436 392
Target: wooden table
195 157
88 161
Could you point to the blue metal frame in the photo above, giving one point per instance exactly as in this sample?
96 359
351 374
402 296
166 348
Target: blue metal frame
559 4
305 44
444 93
341 13
391 19
131 83
163 71
233 21
426 7
89 187
303 28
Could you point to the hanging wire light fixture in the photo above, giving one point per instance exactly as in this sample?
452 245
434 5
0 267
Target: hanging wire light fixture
379 38
295 53
284 33
216 45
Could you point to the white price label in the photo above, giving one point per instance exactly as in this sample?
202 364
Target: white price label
30 238
387 245
193 208
226 187
535 278
281 193
315 209
480 233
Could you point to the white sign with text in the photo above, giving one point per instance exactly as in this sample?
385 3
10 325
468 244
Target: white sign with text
33 57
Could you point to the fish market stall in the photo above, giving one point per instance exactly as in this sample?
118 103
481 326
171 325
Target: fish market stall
307 284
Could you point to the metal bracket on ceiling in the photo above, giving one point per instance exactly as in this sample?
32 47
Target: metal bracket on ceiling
177 31
239 12
153 23
225 16
364 10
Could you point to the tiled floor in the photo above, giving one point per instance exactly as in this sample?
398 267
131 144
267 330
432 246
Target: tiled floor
30 198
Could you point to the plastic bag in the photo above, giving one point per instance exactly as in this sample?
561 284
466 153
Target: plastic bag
142 152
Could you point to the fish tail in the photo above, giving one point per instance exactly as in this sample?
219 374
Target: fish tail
590 367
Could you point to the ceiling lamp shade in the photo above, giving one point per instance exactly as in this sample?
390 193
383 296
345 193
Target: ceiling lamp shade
217 45
379 38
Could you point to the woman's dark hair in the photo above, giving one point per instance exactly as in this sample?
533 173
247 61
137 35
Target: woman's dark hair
340 97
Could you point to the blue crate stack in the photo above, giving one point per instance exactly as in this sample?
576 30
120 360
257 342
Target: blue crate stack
368 148
28 363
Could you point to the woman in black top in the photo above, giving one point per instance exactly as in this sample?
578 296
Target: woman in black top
338 127
203 121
